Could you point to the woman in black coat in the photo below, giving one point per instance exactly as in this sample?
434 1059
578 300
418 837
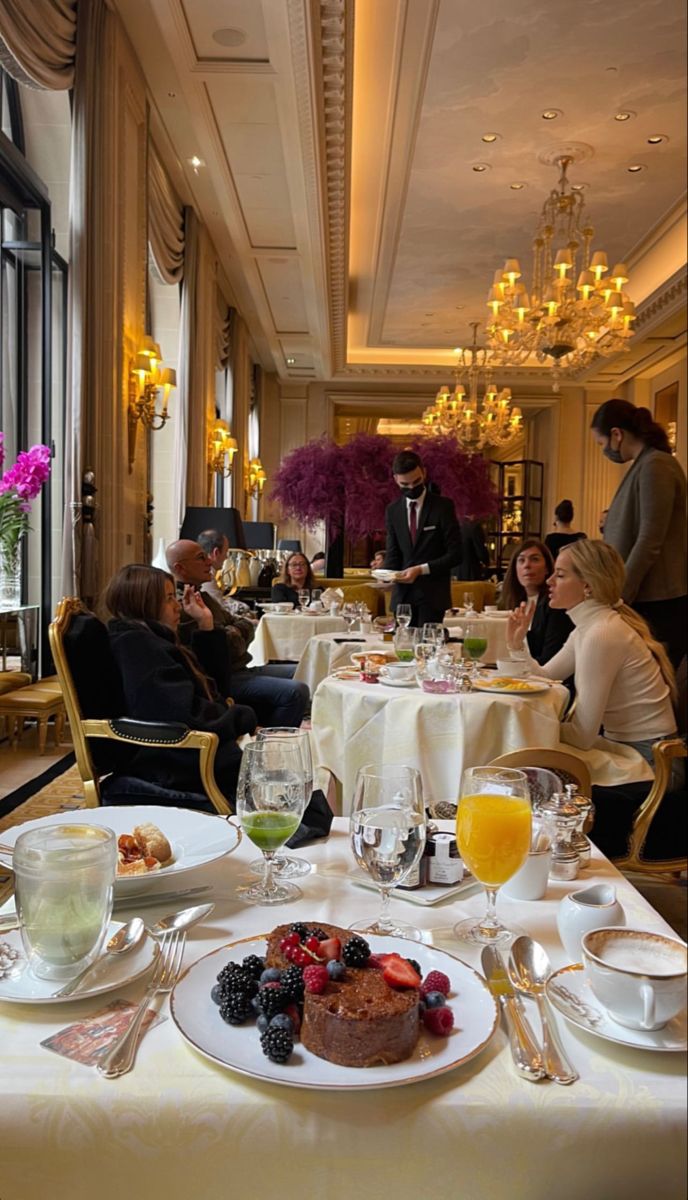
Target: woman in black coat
164 681
297 575
525 584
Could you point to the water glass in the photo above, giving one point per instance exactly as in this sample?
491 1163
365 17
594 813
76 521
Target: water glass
387 836
304 598
64 880
474 642
403 615
433 632
350 614
469 603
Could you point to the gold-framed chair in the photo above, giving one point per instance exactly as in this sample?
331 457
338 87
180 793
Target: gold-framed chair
664 752
93 698
568 767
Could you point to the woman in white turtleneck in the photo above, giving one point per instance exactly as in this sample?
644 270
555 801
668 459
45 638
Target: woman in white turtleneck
624 680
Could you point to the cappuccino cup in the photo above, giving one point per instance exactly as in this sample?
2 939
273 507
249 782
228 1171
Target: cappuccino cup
399 670
637 975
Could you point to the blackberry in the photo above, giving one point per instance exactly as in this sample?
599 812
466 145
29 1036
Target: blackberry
235 1008
292 983
232 971
254 965
318 933
299 928
416 966
273 1000
240 982
356 952
277 1044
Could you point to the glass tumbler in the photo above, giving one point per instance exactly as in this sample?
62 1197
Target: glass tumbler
64 880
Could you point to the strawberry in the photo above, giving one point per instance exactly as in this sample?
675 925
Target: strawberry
436 981
315 979
376 962
330 950
439 1020
400 974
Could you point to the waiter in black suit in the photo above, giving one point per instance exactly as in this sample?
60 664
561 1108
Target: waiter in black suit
423 542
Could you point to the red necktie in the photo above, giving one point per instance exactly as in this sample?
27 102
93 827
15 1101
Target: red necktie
413 525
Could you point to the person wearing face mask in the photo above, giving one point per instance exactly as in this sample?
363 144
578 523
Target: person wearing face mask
423 542
646 519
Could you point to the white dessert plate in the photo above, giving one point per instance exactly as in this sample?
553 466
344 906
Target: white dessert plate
19 986
569 991
238 1047
389 681
196 838
425 896
276 606
384 575
510 687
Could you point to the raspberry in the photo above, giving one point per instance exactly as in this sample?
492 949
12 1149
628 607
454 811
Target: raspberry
439 1020
316 979
436 981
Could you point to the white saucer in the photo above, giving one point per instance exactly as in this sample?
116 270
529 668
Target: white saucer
569 991
402 683
19 986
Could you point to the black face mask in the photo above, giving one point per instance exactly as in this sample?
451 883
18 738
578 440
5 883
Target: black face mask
412 493
614 456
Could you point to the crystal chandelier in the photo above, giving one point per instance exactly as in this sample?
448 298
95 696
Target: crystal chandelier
572 313
474 422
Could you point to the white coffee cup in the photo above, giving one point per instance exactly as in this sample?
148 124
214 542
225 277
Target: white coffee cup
512 666
637 975
399 670
530 882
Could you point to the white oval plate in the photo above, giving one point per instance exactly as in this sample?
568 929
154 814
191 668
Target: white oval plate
569 991
196 838
384 575
528 688
388 681
238 1047
113 972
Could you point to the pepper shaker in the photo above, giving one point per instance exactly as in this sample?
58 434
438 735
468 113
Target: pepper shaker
580 842
560 818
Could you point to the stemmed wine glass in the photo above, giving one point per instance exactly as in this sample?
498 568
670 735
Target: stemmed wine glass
403 615
388 836
474 643
493 832
350 615
271 797
287 866
469 603
433 632
304 598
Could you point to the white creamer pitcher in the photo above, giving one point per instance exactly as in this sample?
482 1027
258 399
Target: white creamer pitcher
590 908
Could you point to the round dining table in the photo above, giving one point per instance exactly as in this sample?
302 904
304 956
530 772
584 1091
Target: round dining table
182 1127
282 637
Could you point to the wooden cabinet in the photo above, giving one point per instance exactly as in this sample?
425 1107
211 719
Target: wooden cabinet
519 485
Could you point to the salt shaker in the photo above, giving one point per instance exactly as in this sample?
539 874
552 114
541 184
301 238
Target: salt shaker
560 817
580 841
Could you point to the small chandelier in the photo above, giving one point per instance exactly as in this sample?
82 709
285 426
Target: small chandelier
221 449
572 313
474 422
147 377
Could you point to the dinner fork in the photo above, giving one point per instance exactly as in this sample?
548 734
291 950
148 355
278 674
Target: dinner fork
120 1057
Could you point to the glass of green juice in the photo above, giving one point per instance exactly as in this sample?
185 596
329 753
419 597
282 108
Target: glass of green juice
271 796
64 881
474 643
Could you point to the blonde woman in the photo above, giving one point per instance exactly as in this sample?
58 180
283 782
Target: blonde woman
624 680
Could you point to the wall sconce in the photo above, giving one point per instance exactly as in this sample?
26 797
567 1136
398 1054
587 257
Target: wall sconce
256 477
146 378
221 447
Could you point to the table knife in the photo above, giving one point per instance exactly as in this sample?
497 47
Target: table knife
525 1051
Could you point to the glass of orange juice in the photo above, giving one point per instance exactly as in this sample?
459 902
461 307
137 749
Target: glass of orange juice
493 831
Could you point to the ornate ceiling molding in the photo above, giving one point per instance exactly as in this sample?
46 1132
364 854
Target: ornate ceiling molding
667 298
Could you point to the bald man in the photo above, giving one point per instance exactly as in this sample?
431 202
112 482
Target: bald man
270 691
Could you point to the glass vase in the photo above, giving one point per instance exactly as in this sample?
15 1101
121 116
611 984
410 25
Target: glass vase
10 580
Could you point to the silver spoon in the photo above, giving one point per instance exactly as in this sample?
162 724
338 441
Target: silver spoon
182 920
121 942
529 970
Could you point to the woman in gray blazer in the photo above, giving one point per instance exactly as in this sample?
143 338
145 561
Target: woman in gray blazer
646 521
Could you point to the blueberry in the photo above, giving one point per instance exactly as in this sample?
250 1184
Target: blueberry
435 999
336 970
217 993
262 1023
256 1005
282 1021
271 975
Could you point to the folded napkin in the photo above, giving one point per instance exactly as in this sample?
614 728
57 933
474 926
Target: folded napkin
316 823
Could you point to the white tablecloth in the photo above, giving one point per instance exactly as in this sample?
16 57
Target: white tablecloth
285 636
182 1128
355 723
324 654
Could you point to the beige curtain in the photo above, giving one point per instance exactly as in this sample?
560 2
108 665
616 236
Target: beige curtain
92 320
165 221
196 381
39 39
241 375
223 320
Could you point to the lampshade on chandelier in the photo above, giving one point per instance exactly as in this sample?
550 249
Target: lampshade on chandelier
576 308
475 422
